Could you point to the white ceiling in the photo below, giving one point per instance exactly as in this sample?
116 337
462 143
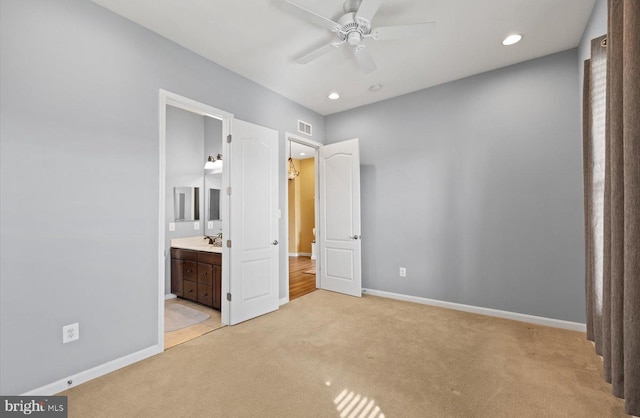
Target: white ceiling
300 151
259 41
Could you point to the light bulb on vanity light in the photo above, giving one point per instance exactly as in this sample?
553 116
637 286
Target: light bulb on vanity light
214 164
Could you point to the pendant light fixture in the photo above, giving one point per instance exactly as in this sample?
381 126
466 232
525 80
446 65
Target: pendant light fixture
292 173
214 164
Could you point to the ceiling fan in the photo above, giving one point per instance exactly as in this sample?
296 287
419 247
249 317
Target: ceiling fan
353 28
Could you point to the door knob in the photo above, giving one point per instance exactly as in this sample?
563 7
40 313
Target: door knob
356 237
275 242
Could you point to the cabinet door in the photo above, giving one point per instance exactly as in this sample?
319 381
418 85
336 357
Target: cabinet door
205 274
205 294
176 276
217 286
190 290
190 271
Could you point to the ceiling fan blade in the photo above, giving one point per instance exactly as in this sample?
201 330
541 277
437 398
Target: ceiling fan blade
367 10
365 61
316 53
401 32
308 15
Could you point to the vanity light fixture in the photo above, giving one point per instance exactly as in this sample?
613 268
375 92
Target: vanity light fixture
334 95
512 39
214 164
292 173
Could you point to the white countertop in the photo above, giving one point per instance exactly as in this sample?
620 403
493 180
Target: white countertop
197 243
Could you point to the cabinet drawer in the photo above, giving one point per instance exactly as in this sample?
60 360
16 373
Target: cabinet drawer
205 274
205 294
190 291
209 258
184 254
190 270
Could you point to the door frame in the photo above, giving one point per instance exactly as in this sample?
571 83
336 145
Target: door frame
315 145
172 99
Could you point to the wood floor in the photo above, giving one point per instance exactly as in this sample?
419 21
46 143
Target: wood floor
301 283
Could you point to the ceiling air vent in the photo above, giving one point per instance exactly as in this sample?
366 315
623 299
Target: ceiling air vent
304 128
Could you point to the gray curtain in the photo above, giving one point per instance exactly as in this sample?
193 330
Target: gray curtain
611 142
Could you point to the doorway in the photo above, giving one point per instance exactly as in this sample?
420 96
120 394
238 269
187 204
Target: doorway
189 131
301 216
192 212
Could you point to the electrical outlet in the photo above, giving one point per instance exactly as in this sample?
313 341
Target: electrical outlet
172 226
196 225
210 225
70 333
403 272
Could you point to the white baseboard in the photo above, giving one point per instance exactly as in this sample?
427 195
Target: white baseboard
169 296
284 301
299 254
539 320
94 372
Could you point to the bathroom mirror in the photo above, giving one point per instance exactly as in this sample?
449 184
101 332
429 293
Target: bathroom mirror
186 201
214 205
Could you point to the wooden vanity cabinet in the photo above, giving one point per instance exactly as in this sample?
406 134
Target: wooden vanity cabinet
197 276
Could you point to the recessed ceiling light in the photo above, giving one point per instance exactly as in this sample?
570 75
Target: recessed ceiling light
375 87
334 96
512 39
303 153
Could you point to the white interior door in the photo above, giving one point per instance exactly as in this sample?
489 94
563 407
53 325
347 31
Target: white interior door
339 218
253 172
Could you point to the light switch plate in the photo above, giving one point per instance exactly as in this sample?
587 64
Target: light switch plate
210 225
196 225
172 226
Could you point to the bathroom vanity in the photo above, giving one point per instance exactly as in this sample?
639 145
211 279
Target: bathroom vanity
196 272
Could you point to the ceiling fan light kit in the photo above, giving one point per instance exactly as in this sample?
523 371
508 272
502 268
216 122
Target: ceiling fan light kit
353 28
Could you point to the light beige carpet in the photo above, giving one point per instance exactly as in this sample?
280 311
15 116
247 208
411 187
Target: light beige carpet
177 316
329 355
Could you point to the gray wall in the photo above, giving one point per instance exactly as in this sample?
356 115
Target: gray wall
78 140
213 147
475 187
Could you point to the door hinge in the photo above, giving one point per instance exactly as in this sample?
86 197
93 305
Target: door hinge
229 190
229 139
229 297
228 243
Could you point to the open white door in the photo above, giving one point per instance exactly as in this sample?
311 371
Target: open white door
339 217
253 220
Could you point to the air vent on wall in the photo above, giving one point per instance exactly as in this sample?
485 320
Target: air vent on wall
304 128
